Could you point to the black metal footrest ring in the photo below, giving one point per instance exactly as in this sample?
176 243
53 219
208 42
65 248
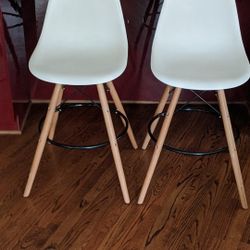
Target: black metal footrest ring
66 106
184 151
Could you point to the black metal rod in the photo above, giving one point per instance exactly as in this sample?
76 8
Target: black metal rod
67 106
185 151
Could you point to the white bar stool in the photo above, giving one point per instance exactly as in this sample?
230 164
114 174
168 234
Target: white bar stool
82 43
198 46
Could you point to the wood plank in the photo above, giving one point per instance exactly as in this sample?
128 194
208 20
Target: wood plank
192 202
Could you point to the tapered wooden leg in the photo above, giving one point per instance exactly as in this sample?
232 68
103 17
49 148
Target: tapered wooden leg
113 141
158 110
232 147
159 144
120 108
56 116
42 140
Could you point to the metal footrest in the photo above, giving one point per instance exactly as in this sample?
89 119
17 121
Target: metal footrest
67 106
186 151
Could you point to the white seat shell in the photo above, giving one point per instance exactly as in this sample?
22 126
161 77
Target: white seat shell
198 45
83 42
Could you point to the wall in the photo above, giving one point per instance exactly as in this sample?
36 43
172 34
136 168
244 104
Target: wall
137 84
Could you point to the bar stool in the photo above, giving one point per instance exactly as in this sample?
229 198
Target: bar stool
198 46
82 43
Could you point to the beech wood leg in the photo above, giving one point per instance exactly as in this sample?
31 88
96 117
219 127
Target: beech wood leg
232 147
120 108
158 110
56 116
113 141
42 140
159 144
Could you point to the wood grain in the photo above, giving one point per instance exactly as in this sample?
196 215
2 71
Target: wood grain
76 203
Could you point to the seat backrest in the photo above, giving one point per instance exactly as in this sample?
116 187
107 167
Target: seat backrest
83 24
194 26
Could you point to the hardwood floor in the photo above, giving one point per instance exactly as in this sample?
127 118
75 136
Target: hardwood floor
76 202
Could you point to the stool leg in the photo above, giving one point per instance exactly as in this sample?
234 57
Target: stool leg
159 144
42 140
120 108
232 147
113 141
158 110
56 116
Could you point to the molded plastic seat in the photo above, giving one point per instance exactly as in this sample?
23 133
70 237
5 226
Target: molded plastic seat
82 42
198 45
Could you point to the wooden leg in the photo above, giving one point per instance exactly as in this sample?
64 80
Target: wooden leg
42 140
113 141
232 147
158 110
159 144
56 116
120 108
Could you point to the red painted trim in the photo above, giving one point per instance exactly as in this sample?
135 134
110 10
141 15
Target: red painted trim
7 115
